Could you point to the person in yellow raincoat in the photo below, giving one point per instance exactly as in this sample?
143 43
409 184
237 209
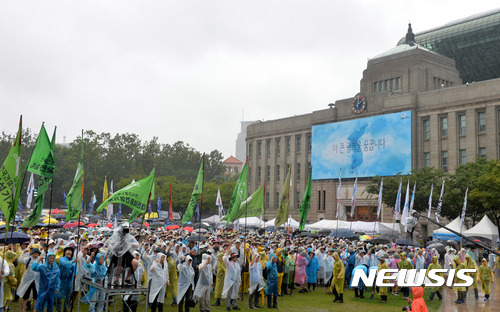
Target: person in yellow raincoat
383 291
458 265
20 268
405 264
435 290
245 281
171 290
10 281
338 276
219 281
281 265
486 277
471 264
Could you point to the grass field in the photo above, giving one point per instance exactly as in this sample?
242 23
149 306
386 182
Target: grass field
316 301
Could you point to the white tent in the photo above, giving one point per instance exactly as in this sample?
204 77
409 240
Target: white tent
485 228
290 223
327 225
251 221
375 228
454 225
212 219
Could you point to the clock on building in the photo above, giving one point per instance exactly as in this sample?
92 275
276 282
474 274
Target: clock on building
358 104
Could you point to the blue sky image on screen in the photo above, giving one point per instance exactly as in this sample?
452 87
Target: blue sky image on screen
365 147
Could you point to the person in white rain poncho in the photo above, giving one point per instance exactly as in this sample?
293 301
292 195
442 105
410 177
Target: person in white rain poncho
5 271
256 282
28 288
186 283
328 269
133 300
159 280
205 283
232 280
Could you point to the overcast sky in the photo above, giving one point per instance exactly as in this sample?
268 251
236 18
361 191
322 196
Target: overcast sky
186 70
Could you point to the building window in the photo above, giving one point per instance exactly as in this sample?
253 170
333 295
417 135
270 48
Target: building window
319 200
462 156
268 148
277 173
444 126
288 147
481 116
277 201
267 200
388 85
298 144
268 174
426 124
324 200
250 150
398 83
427 159
444 161
309 168
461 124
288 168
297 199
278 147
259 149
236 170
375 87
298 171
482 152
309 143
258 174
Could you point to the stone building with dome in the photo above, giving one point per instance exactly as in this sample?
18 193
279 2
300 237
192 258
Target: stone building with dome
452 122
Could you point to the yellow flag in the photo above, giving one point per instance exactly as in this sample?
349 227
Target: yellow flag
105 193
282 216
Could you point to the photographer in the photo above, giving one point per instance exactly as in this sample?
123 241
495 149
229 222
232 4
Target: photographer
418 302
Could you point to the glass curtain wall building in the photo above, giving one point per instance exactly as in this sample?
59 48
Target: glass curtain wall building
473 42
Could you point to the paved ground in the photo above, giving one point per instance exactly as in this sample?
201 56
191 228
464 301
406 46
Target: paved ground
493 304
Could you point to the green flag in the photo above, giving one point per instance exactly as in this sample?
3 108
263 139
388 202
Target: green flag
253 206
134 215
75 194
282 216
41 163
239 194
42 158
135 195
304 207
197 190
10 182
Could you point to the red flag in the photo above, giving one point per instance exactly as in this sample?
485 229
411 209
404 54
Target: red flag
170 213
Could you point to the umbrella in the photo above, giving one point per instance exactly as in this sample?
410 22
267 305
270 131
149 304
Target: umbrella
187 228
201 231
50 220
156 224
58 217
14 238
72 225
91 225
109 225
407 242
146 224
365 237
309 234
61 235
343 233
439 247
453 243
151 215
55 211
196 238
381 240
170 227
104 229
201 225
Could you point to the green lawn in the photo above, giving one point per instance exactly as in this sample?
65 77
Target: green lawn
311 301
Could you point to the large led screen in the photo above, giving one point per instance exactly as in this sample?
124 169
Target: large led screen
363 147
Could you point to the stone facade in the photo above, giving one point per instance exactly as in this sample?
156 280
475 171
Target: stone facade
451 123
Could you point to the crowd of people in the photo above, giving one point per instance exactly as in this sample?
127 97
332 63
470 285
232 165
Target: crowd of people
183 269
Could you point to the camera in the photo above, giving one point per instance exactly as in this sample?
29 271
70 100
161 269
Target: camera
408 308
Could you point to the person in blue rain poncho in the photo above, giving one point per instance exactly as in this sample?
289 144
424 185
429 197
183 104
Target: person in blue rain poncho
67 266
272 281
312 270
97 273
364 268
48 281
351 260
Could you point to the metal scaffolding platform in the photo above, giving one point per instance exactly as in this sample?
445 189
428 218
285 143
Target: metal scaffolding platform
111 296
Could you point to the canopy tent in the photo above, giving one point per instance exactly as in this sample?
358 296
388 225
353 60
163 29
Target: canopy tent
357 226
485 228
212 219
289 223
444 234
251 222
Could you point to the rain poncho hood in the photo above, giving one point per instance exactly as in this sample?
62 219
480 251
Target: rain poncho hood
186 278
256 280
205 279
158 275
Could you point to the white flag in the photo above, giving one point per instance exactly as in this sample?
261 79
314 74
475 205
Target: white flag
404 215
218 203
464 208
440 204
31 188
109 209
397 205
353 199
430 202
380 198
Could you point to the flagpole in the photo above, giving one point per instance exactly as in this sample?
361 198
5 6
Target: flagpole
201 200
